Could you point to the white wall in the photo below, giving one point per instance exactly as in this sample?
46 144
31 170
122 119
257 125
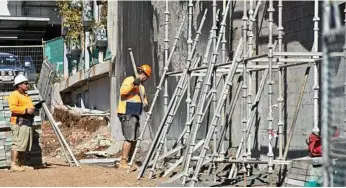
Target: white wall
97 92
4 9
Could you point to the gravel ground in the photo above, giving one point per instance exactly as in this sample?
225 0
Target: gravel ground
60 174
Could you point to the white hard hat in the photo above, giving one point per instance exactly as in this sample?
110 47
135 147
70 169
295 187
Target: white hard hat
20 79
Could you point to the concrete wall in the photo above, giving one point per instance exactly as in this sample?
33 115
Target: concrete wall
298 37
95 94
141 26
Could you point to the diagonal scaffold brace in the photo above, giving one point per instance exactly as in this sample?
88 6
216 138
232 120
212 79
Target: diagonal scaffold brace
214 124
206 88
64 146
168 124
158 89
186 131
250 119
173 113
175 97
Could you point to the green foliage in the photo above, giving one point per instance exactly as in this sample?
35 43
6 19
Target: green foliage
103 16
71 12
103 12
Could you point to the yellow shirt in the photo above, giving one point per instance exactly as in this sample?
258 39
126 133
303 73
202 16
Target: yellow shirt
18 102
130 100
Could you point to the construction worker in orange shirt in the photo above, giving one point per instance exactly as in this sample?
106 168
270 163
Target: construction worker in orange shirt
129 110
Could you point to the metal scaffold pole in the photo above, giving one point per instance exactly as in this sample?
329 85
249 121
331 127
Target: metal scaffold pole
140 138
207 86
250 120
189 46
213 165
167 126
249 90
165 95
187 130
177 93
270 93
231 174
244 88
281 80
223 58
326 81
316 72
173 113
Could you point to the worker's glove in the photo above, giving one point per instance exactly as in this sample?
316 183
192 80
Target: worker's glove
146 108
136 82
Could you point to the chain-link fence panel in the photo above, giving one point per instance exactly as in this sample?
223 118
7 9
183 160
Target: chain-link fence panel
45 82
333 98
16 60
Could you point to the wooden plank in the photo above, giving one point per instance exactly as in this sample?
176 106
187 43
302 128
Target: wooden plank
99 161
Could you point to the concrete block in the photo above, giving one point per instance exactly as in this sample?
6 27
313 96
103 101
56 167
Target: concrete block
115 147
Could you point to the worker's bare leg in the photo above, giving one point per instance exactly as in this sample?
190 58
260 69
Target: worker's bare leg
126 149
133 144
15 156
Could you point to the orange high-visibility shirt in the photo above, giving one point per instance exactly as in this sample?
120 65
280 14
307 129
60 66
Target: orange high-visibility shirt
130 100
18 103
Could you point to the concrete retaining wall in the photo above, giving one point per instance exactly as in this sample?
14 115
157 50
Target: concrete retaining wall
141 26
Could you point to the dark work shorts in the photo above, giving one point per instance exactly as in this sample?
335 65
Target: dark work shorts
130 126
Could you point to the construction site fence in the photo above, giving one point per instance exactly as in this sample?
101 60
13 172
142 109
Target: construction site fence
333 103
54 53
15 60
45 82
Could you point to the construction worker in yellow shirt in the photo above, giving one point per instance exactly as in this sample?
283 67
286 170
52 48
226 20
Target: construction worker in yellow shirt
130 108
22 117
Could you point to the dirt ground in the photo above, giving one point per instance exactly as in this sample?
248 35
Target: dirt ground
77 131
59 174
83 134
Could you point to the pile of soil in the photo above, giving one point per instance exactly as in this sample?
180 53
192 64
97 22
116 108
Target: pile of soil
89 131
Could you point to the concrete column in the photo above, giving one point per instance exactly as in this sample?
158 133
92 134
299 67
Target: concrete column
86 53
96 10
113 32
65 63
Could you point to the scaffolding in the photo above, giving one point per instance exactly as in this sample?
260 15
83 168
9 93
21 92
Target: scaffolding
187 156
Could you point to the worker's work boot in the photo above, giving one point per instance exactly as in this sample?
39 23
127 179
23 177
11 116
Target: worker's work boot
123 164
27 167
16 168
21 164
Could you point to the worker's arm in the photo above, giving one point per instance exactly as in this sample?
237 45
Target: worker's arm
146 106
13 104
128 85
145 99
